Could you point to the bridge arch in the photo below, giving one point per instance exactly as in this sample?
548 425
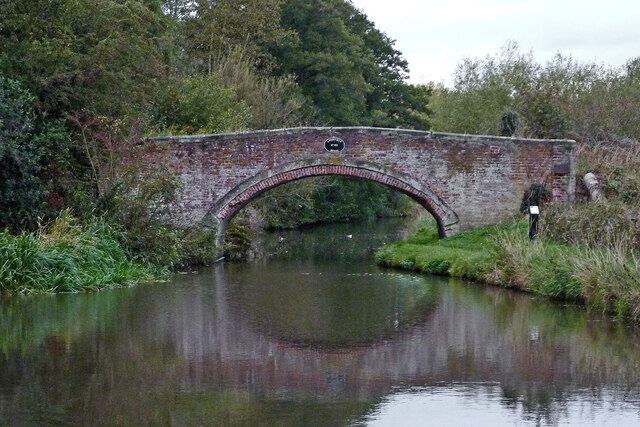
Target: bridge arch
465 181
228 205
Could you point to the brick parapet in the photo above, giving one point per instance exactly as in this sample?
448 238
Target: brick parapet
478 179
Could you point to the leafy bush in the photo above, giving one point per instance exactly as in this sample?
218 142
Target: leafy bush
138 203
201 105
27 146
237 242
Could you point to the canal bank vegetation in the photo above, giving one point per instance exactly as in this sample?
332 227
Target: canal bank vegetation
602 277
587 252
82 81
66 257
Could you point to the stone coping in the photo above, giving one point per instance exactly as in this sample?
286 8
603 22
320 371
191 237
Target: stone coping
351 130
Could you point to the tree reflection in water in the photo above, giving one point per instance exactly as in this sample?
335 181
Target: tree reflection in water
301 342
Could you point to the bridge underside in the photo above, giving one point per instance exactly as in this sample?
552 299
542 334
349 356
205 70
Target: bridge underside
223 211
464 181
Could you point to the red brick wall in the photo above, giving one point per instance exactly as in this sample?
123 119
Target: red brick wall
465 181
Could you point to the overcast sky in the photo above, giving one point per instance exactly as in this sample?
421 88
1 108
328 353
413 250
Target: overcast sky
435 35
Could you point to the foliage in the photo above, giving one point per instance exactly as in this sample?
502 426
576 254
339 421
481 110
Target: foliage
233 96
610 279
615 162
105 56
347 69
197 246
327 199
273 102
28 148
596 225
200 105
138 202
483 92
607 224
93 64
66 257
605 277
536 266
510 93
237 242
214 28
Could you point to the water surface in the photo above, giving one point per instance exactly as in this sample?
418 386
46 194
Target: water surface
313 334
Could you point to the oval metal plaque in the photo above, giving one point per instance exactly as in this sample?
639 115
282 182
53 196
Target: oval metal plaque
334 144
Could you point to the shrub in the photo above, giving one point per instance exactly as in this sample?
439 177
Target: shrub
66 257
27 146
201 105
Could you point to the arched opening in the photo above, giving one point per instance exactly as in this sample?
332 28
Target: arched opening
223 211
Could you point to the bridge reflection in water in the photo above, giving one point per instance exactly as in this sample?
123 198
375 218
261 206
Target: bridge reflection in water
540 356
328 342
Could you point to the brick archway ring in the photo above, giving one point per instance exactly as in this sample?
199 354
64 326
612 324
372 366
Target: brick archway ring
223 211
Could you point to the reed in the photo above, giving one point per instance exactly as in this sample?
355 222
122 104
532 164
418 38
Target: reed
603 277
610 279
66 257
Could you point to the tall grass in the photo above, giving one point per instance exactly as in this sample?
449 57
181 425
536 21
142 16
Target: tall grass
605 277
610 279
66 257
538 266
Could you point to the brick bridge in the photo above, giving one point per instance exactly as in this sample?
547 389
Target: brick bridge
464 181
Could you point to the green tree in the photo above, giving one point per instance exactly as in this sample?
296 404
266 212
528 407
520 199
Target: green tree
325 59
484 91
29 149
390 101
347 69
212 28
98 63
200 105
104 56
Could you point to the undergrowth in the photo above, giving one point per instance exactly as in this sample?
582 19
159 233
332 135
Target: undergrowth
605 277
468 255
67 257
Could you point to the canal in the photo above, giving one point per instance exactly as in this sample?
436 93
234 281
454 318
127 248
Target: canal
313 333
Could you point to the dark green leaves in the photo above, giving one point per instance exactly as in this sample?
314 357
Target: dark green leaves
26 150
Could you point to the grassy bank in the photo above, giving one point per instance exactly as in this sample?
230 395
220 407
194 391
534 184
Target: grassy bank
606 278
67 257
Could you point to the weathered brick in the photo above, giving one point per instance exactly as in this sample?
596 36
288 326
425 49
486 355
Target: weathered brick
464 180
